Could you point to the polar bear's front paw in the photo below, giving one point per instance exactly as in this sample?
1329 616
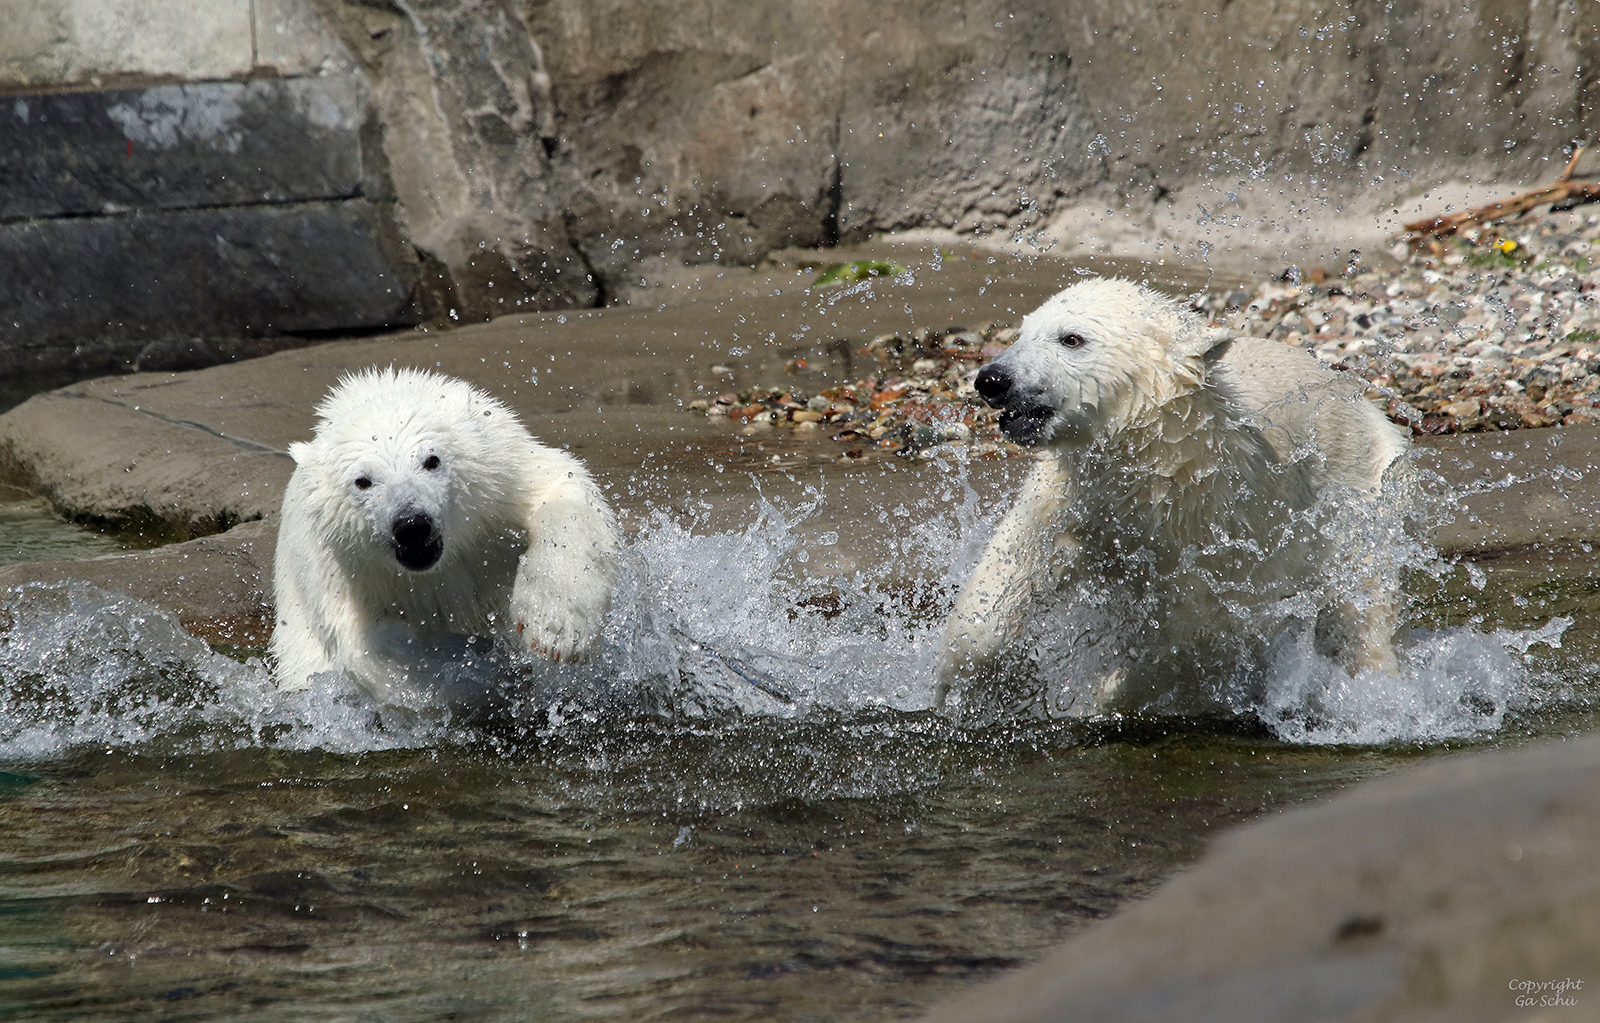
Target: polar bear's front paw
558 637
559 601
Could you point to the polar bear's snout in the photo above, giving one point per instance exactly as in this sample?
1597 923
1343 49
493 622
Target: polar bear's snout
416 540
1024 416
994 383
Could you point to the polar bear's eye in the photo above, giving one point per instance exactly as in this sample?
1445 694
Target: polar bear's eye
363 482
431 462
1073 340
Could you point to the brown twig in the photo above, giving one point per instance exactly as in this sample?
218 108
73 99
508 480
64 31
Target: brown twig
1563 189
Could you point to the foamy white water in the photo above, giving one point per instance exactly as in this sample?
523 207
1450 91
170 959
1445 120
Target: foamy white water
709 623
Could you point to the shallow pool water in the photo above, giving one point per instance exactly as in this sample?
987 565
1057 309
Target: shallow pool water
838 868
746 809
30 531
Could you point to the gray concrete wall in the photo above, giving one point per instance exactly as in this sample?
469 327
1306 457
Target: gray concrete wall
530 155
238 207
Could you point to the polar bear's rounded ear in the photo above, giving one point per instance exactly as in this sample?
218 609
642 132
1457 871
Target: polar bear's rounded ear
298 450
1218 341
1200 341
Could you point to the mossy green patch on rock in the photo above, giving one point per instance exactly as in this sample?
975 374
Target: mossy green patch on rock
856 270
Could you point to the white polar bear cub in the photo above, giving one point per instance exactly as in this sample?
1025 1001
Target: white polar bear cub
422 512
1194 472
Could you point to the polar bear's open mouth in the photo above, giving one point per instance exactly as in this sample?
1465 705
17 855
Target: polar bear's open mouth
1026 422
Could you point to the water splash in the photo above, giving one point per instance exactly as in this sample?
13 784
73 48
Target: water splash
1451 685
82 667
711 625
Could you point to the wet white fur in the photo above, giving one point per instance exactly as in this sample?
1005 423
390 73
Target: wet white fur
1192 450
529 542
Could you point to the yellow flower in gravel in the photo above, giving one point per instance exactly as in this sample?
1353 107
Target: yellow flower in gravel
1506 245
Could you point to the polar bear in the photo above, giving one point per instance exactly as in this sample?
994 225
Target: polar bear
1205 480
422 513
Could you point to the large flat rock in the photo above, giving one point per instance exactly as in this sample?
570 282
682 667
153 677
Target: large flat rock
1518 488
220 587
179 450
1431 896
182 452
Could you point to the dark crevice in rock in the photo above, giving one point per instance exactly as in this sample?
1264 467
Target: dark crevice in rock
149 527
436 286
1363 139
602 289
312 337
34 370
834 197
151 212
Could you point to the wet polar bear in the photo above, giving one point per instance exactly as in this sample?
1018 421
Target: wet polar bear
422 513
1197 477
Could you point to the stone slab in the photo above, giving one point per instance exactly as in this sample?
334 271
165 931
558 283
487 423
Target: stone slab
180 146
182 455
82 290
571 375
220 587
1424 897
1517 488
141 470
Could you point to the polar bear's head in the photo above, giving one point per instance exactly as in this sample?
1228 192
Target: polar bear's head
400 463
1093 360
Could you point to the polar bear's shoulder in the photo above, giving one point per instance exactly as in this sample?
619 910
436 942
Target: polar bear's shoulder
1296 401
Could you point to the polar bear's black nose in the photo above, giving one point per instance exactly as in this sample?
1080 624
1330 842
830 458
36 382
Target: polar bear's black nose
994 383
417 544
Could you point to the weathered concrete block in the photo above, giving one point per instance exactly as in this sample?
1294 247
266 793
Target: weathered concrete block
177 146
81 293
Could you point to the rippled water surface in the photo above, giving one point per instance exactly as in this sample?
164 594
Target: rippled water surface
831 869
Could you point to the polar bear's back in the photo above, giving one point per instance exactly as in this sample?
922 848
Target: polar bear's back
1300 405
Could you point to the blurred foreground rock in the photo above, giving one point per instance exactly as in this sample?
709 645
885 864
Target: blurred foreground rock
1439 895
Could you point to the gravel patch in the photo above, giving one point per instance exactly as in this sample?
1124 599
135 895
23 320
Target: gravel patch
1497 328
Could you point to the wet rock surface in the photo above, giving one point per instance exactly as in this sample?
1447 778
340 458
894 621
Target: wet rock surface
220 587
1461 890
